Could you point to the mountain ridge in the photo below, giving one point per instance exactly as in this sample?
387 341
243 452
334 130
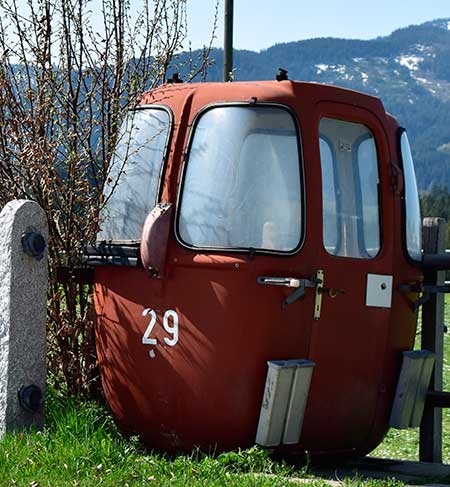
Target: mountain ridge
408 70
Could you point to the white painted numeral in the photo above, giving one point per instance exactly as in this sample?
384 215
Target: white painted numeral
170 325
146 340
172 330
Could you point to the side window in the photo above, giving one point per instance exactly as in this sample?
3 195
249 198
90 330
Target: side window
369 182
241 187
350 185
132 188
412 205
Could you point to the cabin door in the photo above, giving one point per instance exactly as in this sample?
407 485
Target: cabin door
355 261
240 222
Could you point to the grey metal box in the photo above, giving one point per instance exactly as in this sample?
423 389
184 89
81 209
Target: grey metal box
412 389
284 402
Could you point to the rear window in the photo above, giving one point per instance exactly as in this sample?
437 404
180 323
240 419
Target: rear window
133 184
242 187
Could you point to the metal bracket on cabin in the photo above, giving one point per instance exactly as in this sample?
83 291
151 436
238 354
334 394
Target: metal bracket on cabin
426 289
111 253
299 284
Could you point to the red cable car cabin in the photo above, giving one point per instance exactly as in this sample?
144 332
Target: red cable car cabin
280 220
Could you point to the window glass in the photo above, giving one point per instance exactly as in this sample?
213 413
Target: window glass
242 181
412 205
350 183
329 200
132 186
368 174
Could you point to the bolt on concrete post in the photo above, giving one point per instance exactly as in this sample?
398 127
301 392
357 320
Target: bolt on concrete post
23 313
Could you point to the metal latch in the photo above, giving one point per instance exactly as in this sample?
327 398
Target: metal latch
318 300
299 284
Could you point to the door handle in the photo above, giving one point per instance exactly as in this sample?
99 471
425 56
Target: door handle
320 290
300 286
298 294
279 281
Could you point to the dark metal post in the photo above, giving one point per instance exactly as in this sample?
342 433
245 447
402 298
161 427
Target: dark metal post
433 340
228 42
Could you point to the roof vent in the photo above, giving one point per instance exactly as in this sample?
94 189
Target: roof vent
175 79
282 75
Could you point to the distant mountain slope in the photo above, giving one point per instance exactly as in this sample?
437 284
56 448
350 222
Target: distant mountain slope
409 70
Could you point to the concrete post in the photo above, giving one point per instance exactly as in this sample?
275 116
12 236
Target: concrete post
23 310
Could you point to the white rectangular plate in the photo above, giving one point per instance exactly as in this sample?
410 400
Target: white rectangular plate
379 290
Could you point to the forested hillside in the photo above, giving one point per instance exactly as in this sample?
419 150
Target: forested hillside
409 70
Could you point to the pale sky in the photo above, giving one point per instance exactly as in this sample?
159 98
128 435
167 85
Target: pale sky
259 24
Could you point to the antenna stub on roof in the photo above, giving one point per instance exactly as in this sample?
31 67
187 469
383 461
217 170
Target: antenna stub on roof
282 75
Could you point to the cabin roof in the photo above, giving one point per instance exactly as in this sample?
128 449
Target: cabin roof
264 91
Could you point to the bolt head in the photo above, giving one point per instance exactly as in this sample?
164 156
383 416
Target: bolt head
33 244
30 398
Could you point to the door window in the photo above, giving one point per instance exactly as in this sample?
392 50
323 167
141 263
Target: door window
241 187
132 188
350 185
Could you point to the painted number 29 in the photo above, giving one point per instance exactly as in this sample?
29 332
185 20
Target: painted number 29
170 325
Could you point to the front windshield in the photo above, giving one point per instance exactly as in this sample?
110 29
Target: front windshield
132 187
242 187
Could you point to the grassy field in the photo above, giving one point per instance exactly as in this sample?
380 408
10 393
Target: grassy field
81 446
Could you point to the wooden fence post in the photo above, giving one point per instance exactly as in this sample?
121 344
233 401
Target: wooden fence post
433 340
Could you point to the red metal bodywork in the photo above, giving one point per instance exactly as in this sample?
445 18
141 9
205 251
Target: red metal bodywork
207 390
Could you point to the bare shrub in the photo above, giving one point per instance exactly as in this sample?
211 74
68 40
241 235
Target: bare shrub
67 78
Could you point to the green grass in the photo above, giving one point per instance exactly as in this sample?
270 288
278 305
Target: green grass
81 446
